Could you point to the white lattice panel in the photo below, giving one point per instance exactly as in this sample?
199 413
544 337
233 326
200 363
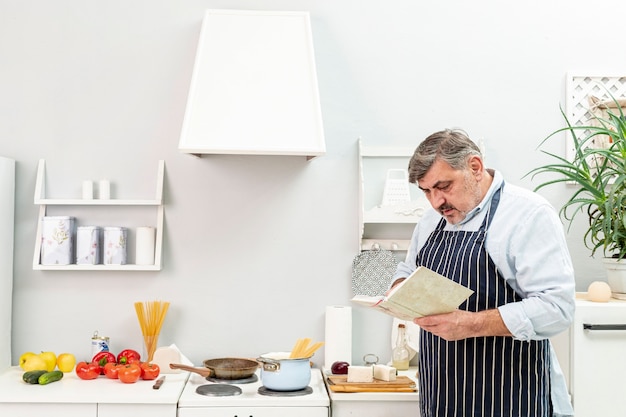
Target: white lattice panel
579 88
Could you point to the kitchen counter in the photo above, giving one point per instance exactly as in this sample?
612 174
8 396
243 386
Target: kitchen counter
101 397
376 404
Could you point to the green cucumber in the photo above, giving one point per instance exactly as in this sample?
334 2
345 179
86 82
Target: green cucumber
32 377
49 377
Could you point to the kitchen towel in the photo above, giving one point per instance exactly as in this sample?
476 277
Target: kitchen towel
144 254
338 342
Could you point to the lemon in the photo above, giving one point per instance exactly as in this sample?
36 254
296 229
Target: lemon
66 362
24 357
35 363
50 359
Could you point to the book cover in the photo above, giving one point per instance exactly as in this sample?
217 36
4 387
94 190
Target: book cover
423 293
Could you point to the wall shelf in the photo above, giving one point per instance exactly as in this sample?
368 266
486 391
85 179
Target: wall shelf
44 202
384 227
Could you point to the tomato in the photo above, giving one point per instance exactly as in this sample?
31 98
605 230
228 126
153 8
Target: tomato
149 370
102 358
128 356
129 373
87 370
111 370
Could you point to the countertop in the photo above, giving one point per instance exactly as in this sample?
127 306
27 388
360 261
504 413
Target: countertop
102 390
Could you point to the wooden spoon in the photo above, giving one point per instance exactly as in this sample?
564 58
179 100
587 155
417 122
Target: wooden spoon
205 372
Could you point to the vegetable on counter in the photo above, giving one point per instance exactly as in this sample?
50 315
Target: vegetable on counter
111 370
149 370
102 358
49 377
32 377
339 368
41 377
87 370
129 373
128 356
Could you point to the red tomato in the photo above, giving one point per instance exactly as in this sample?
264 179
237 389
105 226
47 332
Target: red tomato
87 370
149 370
129 373
111 370
128 356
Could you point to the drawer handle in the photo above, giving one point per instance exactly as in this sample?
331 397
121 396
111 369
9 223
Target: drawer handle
604 326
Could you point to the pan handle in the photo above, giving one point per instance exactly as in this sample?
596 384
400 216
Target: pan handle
205 372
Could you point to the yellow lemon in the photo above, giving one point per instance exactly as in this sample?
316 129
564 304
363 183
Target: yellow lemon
50 359
24 357
66 362
35 363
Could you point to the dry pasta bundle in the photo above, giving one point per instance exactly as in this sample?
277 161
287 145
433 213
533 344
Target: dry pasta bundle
302 349
151 315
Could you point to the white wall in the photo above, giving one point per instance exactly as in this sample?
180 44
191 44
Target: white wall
256 247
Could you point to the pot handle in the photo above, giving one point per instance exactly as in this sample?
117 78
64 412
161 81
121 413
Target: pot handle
269 365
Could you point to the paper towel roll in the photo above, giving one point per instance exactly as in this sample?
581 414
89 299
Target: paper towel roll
338 343
145 246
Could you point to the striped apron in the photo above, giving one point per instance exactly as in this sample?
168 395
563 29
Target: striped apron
483 376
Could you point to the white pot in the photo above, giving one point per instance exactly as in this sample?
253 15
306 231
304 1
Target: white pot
616 273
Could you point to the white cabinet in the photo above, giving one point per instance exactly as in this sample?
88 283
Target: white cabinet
598 368
153 209
102 397
376 404
7 225
385 226
254 412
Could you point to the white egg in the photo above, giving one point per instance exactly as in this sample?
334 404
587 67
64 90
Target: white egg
599 291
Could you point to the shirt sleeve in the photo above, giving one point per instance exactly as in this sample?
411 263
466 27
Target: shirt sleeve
542 273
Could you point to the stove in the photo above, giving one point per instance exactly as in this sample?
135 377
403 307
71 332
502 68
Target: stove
202 397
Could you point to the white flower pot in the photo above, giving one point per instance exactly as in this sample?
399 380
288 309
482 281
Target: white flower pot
616 273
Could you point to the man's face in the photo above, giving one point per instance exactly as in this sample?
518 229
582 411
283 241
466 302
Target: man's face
453 193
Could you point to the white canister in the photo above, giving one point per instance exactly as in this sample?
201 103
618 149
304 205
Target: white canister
88 245
57 240
145 239
114 247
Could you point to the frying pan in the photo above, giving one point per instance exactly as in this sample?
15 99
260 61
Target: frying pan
223 368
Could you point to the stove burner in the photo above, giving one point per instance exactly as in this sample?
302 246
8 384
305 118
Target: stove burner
218 390
249 380
272 393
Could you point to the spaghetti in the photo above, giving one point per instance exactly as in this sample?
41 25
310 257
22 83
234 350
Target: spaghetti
302 349
151 315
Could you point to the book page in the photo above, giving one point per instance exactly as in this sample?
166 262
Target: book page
424 293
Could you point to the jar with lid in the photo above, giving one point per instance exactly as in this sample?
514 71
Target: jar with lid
400 353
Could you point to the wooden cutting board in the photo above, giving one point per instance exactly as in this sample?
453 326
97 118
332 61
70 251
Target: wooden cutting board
339 383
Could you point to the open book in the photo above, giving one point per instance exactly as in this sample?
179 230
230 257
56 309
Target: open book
423 293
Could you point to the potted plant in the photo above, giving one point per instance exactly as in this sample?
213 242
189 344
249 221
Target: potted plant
597 173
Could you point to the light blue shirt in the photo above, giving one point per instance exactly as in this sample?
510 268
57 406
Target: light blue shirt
527 243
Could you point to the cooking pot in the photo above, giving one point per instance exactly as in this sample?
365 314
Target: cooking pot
281 373
223 368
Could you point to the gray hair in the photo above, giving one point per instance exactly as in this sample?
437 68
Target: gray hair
452 146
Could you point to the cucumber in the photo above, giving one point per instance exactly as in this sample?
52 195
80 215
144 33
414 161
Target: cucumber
32 377
49 377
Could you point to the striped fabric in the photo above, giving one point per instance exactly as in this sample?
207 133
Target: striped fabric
484 376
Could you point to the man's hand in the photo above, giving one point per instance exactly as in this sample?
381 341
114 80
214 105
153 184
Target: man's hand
461 324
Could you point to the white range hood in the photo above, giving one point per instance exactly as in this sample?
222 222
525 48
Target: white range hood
254 87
